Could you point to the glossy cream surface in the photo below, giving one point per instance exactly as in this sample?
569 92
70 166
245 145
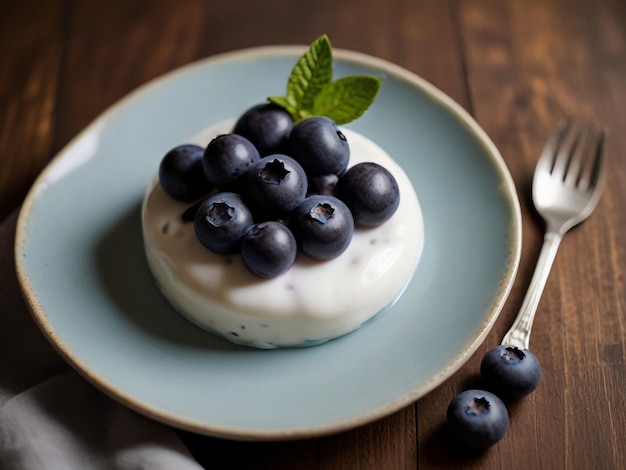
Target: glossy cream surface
313 301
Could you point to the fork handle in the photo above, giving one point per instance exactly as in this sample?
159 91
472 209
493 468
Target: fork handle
519 334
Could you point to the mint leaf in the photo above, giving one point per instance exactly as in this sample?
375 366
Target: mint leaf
311 91
346 99
283 102
311 73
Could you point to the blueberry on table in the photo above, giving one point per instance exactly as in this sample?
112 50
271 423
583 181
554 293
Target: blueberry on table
267 126
221 221
370 191
268 249
319 146
323 226
181 175
275 185
227 158
478 418
510 372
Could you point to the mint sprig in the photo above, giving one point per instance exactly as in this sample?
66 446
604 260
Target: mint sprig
311 90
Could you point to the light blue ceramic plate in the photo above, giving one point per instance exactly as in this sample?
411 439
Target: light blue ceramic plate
81 264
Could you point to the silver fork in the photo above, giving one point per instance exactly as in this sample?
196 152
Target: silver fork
567 185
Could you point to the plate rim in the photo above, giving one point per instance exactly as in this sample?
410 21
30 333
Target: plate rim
492 312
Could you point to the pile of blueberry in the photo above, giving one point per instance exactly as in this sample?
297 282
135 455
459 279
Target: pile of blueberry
272 187
479 418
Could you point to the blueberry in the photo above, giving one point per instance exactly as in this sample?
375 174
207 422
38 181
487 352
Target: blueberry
268 249
275 185
323 226
227 158
319 146
370 191
510 372
323 184
267 126
181 175
478 418
221 221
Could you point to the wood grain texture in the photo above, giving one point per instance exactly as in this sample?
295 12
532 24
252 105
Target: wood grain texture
114 47
31 47
529 65
517 67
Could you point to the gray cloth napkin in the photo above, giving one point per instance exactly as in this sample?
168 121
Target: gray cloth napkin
50 417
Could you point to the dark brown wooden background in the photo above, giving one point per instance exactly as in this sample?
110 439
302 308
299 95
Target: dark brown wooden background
517 66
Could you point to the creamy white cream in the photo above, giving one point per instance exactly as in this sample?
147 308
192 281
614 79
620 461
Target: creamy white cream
312 302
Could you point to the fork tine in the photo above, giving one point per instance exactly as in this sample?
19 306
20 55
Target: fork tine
592 172
582 153
569 143
549 152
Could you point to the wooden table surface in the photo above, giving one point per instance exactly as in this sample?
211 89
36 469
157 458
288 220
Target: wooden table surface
516 66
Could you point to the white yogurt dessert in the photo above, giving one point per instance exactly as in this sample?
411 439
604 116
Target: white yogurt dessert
311 302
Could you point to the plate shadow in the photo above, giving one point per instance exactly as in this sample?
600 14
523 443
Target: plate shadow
125 275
